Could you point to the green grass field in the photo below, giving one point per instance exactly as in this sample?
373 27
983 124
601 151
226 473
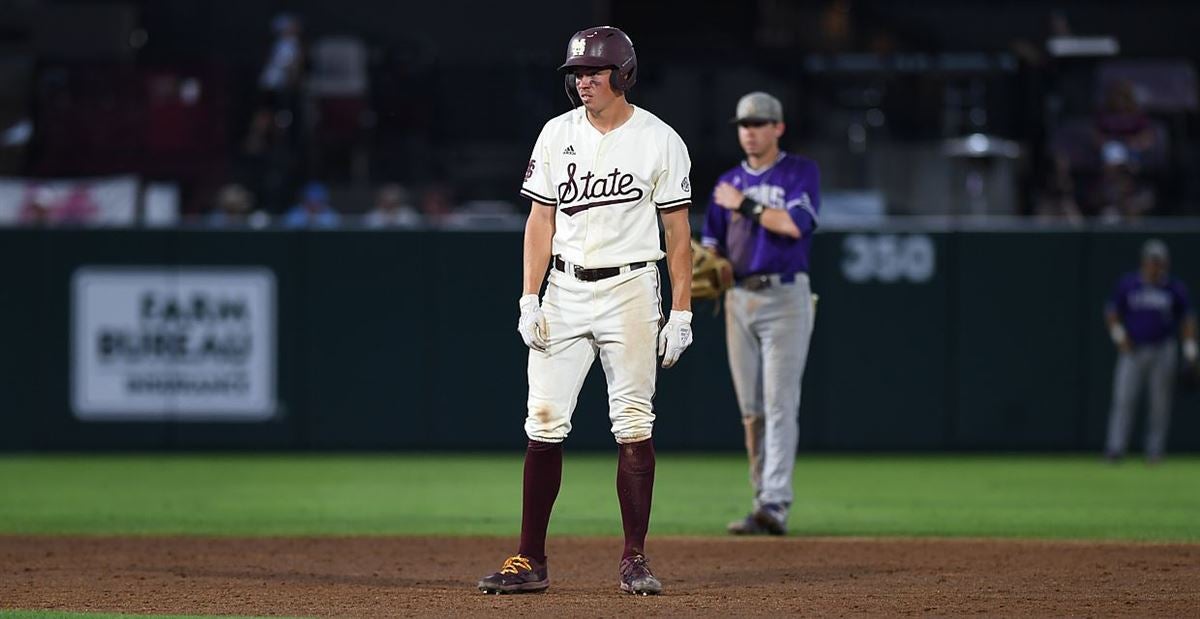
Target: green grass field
1072 497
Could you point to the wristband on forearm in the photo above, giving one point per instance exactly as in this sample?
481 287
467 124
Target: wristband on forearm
750 209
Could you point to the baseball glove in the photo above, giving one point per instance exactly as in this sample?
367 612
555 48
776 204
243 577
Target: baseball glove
1189 377
707 266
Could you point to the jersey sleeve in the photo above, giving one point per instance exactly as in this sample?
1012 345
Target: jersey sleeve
673 188
538 185
716 222
803 198
1183 304
1116 301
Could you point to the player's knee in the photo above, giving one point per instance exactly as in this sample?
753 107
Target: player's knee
631 423
752 416
546 434
545 437
545 423
540 412
633 436
633 428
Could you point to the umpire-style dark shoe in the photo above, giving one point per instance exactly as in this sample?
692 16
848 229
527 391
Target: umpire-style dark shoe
772 518
518 575
636 577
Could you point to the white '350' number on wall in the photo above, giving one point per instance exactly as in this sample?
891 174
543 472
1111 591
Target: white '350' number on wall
888 258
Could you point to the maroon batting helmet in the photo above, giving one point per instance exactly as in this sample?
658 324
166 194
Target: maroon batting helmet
602 47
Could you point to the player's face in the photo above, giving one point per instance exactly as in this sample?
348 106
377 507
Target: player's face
1154 269
594 87
758 138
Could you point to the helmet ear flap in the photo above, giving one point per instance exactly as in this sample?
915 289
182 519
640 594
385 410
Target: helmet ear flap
621 80
631 78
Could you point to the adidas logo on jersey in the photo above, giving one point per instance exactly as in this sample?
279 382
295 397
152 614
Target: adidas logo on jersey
569 150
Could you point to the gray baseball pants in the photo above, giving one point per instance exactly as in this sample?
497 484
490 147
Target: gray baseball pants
767 332
1152 366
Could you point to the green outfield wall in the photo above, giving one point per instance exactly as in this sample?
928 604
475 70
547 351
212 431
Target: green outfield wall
196 339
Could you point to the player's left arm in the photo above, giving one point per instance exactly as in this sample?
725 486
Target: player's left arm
780 222
672 197
1187 327
1191 351
803 200
678 233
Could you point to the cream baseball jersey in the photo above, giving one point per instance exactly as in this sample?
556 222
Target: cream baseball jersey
608 187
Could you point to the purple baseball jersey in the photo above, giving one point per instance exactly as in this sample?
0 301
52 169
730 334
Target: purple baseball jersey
1150 313
791 183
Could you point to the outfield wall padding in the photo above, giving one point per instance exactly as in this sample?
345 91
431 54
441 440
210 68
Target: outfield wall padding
406 340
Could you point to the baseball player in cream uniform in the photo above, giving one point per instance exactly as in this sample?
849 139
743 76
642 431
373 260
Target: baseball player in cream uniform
601 178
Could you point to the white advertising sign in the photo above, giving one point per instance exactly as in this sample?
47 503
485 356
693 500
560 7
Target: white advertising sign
107 201
173 344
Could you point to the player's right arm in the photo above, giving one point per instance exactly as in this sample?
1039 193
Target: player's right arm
1116 331
716 222
539 233
538 187
1112 318
713 235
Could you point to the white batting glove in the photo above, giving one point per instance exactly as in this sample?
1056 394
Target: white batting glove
532 324
675 337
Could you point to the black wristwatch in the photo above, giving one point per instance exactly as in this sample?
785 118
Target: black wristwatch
751 209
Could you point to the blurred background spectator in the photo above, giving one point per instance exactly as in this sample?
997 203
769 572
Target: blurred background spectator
1067 113
392 209
437 202
1130 147
283 71
234 208
266 162
313 210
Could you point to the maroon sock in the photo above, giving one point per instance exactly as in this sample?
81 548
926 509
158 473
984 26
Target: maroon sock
635 487
543 476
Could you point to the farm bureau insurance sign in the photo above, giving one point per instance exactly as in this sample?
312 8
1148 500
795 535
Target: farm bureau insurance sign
185 344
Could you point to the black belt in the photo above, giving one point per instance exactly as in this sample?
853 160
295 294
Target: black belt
593 275
766 280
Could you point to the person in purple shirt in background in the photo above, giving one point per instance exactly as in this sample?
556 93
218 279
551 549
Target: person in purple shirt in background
1145 314
761 217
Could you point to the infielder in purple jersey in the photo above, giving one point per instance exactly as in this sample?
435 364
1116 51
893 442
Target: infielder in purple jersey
1145 314
761 217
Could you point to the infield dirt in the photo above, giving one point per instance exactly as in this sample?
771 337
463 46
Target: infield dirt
414 576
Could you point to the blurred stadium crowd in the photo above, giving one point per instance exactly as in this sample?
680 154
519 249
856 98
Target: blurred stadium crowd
162 113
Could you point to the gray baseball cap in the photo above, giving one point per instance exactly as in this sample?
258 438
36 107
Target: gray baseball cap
758 106
1156 249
